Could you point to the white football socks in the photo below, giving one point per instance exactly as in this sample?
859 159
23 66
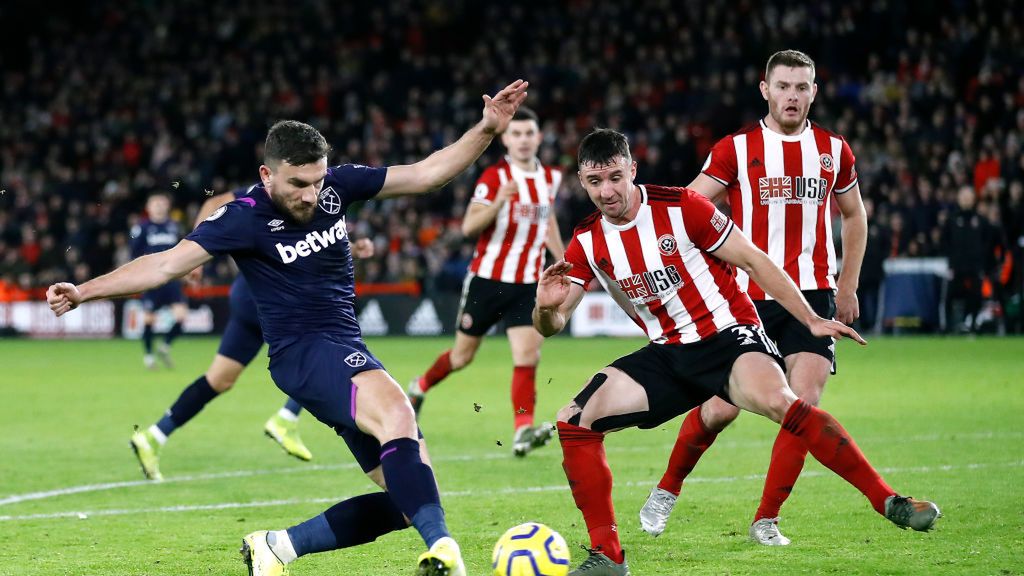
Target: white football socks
158 434
288 415
281 545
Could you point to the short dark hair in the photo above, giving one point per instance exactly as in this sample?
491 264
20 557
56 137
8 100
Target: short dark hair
524 113
601 146
791 59
294 142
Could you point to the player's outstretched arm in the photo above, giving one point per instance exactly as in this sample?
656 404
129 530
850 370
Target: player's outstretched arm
557 299
740 252
139 275
440 167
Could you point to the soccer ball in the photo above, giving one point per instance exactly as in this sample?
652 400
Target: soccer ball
530 549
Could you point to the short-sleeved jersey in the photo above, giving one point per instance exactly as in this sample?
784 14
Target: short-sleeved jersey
301 275
512 248
148 237
780 191
660 267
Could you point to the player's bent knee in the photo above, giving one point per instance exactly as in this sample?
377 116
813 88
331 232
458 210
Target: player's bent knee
717 415
569 413
776 404
220 385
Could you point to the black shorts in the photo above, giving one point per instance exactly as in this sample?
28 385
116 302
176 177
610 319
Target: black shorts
678 377
485 302
790 335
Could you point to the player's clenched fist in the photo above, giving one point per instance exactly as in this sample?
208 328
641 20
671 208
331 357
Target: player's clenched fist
63 297
553 288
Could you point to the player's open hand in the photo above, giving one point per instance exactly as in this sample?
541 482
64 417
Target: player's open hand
498 111
63 297
553 288
821 327
362 248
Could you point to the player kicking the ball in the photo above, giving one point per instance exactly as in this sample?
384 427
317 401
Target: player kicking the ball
301 276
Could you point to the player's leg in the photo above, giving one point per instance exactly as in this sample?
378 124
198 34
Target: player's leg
171 295
348 523
611 400
698 431
809 360
219 378
148 320
807 373
525 342
179 310
758 385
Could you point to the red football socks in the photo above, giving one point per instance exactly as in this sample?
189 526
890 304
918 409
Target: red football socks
694 438
788 455
590 480
441 368
524 394
831 445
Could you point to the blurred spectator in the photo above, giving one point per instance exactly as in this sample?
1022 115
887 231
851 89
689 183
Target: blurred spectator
969 244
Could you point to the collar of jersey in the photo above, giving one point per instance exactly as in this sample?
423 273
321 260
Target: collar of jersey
787 137
537 172
641 213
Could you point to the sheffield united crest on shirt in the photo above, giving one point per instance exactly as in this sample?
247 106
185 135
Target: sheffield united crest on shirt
826 162
667 244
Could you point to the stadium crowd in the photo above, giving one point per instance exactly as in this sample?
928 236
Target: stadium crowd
144 97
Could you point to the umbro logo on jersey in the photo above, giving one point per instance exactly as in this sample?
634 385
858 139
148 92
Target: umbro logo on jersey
755 163
315 241
275 225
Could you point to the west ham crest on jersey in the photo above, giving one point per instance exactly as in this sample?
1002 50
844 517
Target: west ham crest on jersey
329 200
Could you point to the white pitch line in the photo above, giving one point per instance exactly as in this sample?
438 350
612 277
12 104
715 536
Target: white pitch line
85 514
57 492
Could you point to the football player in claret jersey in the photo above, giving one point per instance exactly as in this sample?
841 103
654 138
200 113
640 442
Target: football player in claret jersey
780 177
512 214
289 239
239 345
666 256
156 233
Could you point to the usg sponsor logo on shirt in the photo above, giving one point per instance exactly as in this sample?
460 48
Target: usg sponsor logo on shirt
315 241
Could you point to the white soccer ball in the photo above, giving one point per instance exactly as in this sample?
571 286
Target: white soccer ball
530 549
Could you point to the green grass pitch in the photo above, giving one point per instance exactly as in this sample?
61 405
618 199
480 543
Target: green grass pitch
942 418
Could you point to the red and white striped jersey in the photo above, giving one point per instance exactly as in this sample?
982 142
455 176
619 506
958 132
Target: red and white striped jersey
512 248
780 191
660 268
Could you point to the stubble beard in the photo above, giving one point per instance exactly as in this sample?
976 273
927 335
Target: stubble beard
299 216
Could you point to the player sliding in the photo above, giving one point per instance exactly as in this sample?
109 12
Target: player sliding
512 212
664 255
239 345
300 273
